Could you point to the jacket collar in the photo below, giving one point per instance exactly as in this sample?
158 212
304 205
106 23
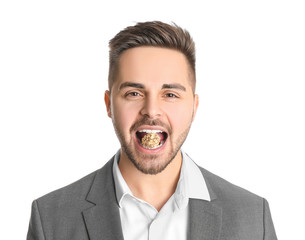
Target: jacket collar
103 222
191 183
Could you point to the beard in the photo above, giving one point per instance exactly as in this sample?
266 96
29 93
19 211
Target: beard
151 163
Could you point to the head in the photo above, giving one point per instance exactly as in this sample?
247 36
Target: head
151 92
154 34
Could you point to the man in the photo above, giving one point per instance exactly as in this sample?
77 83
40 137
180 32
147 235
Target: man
151 189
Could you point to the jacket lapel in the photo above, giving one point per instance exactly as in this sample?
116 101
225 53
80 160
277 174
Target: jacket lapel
204 221
103 219
205 218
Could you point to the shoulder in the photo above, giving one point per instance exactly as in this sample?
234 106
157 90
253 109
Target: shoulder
75 194
59 214
65 202
243 213
229 194
75 190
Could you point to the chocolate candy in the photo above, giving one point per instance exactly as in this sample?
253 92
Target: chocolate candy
151 140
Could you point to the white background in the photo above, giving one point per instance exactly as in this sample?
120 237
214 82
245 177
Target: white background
250 123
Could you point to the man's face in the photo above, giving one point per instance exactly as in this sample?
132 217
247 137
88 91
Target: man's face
152 95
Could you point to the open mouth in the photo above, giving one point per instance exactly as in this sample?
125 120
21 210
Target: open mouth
151 139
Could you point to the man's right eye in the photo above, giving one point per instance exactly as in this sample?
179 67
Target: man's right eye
132 94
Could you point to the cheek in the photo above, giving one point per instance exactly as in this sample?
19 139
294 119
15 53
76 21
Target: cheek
124 115
180 116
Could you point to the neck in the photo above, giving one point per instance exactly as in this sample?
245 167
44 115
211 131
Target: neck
154 189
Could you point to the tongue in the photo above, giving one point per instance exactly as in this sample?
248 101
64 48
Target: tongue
161 136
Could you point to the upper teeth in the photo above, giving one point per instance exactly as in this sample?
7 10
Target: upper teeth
150 131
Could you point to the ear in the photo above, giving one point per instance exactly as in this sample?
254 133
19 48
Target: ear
195 107
108 103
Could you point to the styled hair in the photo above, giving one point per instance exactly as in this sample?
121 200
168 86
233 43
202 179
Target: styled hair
157 34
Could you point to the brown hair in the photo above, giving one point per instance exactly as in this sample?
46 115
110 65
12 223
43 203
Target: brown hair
156 34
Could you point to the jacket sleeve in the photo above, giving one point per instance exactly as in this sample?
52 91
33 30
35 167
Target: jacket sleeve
35 231
269 231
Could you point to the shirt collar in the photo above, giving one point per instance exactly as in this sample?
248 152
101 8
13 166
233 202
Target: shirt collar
191 183
121 187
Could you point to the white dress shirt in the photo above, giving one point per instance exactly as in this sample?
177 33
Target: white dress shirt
141 221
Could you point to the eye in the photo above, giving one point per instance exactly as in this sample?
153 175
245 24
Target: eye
171 95
132 94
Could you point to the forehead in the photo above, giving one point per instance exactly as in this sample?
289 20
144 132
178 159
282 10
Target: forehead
153 66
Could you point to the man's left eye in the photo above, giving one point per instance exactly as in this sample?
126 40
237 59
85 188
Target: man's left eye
171 95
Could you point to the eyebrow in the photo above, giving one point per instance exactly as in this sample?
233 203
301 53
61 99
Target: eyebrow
130 84
174 86
141 86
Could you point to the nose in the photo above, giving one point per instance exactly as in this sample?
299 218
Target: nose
151 107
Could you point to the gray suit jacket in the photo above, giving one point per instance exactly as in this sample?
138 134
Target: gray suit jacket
88 209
